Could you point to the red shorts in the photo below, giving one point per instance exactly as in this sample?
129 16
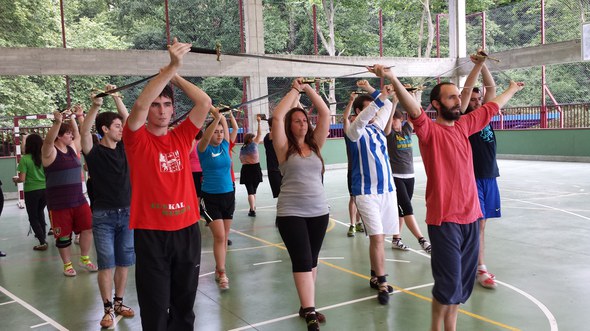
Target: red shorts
66 221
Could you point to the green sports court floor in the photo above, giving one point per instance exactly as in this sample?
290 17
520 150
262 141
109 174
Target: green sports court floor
539 251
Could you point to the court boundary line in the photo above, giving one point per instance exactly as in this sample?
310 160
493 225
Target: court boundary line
33 309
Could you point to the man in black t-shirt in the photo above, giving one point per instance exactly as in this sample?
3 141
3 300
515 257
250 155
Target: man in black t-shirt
483 146
108 168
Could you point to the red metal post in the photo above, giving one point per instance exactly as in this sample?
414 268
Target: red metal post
315 44
543 114
381 40
244 79
438 40
315 30
167 22
483 29
63 40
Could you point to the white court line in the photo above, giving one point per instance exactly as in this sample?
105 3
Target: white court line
7 302
553 208
38 325
331 258
33 310
268 262
252 326
206 274
544 309
392 260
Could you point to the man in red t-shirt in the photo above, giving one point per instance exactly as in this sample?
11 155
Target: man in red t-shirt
452 206
164 207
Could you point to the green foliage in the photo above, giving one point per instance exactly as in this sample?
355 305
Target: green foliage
29 23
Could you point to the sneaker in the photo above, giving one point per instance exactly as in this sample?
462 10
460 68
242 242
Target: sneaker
320 316
312 321
486 279
360 227
88 265
69 270
374 283
40 247
77 239
229 242
351 231
2 254
426 246
383 295
252 213
396 243
50 233
222 281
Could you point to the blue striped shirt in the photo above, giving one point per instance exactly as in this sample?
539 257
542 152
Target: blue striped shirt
371 172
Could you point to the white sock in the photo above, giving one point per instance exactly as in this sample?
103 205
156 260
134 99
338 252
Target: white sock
482 267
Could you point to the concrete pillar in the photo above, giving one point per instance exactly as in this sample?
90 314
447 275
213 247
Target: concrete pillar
257 84
457 35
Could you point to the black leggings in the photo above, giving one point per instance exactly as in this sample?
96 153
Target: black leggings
303 237
35 202
404 190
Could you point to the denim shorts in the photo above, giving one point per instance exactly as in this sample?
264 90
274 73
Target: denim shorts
112 238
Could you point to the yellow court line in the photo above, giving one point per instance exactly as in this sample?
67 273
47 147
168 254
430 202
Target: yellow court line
331 225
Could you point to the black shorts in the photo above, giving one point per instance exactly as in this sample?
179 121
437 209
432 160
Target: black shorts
218 206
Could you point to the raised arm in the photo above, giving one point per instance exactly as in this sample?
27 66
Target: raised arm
234 127
48 152
140 109
322 128
347 110
503 98
406 99
394 101
85 135
121 108
258 138
478 61
201 101
279 138
78 113
488 83
202 145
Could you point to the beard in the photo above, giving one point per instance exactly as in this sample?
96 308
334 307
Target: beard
450 114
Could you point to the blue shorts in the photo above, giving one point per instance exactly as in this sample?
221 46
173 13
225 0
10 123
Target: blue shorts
455 249
489 197
113 239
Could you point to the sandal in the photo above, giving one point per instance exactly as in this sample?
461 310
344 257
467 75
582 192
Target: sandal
69 270
121 309
109 316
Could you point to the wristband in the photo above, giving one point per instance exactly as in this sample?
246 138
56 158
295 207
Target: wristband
81 115
378 102
375 94
296 89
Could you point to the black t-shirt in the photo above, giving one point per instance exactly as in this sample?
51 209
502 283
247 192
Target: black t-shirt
109 172
272 163
483 145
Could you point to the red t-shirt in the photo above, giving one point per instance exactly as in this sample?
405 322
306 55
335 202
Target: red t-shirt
451 192
162 188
